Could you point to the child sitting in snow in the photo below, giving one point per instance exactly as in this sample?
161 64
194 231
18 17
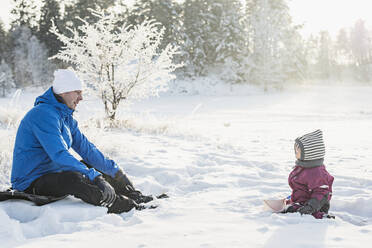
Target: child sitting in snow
310 182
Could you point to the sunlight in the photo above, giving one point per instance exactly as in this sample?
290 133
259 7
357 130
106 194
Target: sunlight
329 15
5 12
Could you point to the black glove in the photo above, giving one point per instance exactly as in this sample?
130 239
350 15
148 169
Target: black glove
125 187
290 209
313 205
108 192
123 181
307 209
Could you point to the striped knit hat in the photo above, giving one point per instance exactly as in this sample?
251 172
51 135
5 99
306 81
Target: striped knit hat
312 149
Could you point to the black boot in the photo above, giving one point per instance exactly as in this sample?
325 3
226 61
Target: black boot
138 197
122 204
123 186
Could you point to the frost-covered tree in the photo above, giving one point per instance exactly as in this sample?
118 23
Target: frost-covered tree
360 40
195 30
119 63
325 59
21 67
293 55
6 78
41 69
228 38
30 60
271 37
361 48
343 47
213 34
265 30
50 12
166 12
311 56
80 9
25 13
3 41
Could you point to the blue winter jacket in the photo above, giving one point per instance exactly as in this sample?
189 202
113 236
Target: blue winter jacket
42 144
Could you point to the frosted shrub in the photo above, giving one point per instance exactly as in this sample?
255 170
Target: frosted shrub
7 137
11 115
6 78
119 62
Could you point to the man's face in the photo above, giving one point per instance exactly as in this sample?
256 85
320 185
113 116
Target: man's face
72 98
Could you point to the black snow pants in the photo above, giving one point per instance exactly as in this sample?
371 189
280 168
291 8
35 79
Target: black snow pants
76 184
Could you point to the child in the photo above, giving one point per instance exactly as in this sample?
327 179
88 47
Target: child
310 181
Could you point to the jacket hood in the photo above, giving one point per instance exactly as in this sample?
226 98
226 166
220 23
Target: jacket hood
49 98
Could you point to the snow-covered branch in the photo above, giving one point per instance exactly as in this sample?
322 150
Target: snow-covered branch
119 63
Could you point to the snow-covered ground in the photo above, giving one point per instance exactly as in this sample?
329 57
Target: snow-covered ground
217 157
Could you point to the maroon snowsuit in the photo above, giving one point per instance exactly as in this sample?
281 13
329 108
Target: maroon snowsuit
308 183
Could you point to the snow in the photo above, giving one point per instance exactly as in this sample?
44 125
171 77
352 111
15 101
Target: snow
218 156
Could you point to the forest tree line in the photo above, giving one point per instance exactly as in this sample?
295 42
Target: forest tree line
251 41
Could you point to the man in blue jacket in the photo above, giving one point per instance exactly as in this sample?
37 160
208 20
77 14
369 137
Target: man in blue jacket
43 165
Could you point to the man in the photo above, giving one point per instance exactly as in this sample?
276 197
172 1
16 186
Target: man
43 165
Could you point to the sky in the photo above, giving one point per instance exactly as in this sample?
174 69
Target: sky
5 11
317 15
329 15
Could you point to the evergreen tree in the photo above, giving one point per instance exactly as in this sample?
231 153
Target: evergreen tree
213 34
3 41
271 39
265 25
361 49
196 28
342 53
29 58
229 32
226 42
37 59
325 56
25 14
82 9
22 70
311 56
343 47
360 43
167 13
50 13
293 57
6 78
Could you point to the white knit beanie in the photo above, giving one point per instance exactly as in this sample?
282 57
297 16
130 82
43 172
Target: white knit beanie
65 80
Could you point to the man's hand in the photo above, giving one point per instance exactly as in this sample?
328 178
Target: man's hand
108 192
126 188
123 181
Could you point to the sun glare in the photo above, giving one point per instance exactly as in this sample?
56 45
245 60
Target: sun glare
331 15
316 15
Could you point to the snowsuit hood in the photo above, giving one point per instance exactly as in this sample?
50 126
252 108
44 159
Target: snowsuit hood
43 140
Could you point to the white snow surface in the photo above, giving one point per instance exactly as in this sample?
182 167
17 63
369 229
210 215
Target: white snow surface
217 156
